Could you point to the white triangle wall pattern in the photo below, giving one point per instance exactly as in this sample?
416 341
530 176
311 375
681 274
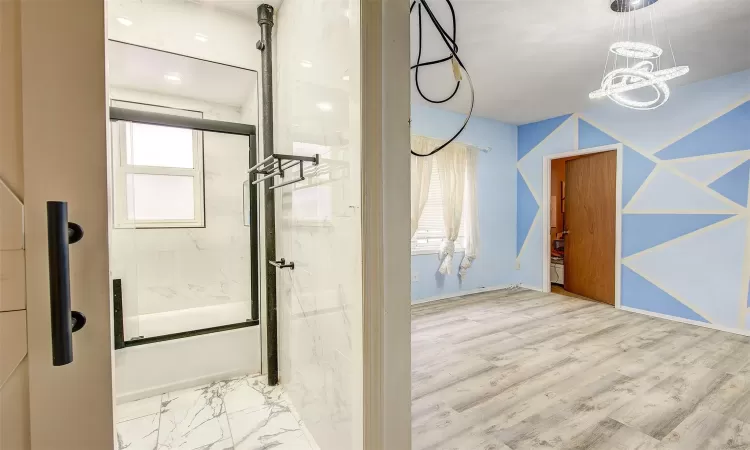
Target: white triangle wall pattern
703 269
667 192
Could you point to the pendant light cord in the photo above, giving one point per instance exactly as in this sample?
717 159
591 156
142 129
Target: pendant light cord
450 43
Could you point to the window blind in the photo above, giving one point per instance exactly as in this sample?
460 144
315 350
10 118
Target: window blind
431 230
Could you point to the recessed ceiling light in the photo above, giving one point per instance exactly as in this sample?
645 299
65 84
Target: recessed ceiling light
345 78
125 21
173 78
324 106
201 37
305 63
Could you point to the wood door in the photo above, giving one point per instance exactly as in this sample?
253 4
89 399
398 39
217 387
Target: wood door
590 208
65 159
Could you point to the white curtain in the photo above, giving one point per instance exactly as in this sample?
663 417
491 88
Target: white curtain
421 168
471 226
451 165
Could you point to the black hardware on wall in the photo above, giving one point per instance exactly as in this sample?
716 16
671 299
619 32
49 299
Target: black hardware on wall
64 322
282 264
265 45
254 250
118 314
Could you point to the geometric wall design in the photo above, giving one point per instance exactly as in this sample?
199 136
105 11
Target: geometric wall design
707 169
527 210
695 268
589 136
727 133
733 185
534 133
639 293
685 210
638 168
668 191
643 231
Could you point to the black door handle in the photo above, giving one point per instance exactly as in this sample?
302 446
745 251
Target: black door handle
64 322
282 264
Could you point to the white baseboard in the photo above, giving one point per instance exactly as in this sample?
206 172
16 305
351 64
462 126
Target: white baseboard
460 294
533 288
688 321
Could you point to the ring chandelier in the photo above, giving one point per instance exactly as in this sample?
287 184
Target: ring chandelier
637 66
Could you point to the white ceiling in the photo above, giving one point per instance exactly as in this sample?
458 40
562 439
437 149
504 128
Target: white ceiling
535 59
143 69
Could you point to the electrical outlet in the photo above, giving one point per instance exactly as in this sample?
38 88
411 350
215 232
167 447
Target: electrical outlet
518 265
415 277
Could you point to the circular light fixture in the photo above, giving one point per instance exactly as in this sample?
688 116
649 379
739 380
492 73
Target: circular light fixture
641 75
125 21
630 5
306 64
324 106
173 78
635 50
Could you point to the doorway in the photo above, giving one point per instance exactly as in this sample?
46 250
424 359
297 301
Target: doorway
582 216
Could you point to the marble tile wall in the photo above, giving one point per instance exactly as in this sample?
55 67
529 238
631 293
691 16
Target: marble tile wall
173 269
318 220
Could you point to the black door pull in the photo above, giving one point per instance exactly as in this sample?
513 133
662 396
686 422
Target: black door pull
61 233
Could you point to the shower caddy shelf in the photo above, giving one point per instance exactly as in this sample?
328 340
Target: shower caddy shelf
278 164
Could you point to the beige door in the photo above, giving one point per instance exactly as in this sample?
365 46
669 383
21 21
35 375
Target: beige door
64 159
14 389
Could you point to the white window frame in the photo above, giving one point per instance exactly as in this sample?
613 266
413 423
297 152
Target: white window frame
124 133
433 247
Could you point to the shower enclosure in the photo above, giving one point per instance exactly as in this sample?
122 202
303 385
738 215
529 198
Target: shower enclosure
184 236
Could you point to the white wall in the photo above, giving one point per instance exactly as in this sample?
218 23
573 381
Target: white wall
320 301
172 25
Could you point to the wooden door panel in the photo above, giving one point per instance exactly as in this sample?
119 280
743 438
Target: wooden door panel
65 159
591 197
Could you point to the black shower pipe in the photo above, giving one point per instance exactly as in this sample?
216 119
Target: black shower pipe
265 45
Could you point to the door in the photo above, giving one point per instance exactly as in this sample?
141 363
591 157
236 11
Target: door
14 373
64 159
590 208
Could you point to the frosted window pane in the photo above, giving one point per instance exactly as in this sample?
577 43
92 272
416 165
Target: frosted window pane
161 146
160 197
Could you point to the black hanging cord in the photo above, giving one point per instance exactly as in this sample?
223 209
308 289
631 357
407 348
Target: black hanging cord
450 43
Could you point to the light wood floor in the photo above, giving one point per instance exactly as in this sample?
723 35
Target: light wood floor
525 370
557 289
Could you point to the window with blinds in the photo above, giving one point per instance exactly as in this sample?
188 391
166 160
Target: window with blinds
431 231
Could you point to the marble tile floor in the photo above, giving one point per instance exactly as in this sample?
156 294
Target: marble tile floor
238 414
520 369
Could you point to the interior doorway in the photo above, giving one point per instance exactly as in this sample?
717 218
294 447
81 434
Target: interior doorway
581 214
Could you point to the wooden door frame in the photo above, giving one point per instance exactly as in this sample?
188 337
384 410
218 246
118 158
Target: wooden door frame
546 180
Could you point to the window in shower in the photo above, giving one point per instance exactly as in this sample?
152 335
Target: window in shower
158 176
182 256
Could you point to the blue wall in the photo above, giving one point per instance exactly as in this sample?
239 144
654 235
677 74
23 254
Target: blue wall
686 170
496 190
